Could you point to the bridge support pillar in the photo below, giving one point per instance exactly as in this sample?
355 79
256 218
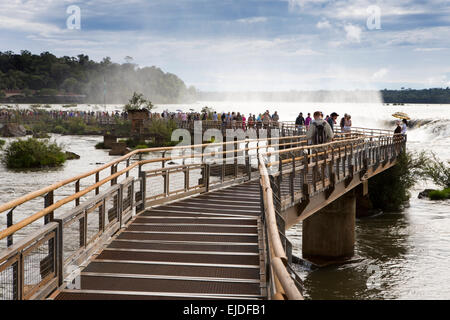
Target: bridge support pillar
329 235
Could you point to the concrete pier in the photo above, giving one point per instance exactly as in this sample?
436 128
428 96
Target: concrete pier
329 234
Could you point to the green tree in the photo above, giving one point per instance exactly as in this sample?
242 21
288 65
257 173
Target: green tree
138 102
389 190
438 171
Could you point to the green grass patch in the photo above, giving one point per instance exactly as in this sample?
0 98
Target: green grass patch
101 146
440 194
2 143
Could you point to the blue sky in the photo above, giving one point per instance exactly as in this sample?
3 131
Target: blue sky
248 44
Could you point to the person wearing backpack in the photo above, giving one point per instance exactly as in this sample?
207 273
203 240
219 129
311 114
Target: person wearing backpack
319 131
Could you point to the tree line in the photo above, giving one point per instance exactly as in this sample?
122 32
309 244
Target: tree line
46 75
433 95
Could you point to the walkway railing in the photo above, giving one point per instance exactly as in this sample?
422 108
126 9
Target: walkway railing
281 284
105 205
301 172
49 252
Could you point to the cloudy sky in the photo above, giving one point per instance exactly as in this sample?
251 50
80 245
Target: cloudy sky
249 44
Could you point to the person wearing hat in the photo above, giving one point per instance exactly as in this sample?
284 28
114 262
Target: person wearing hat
398 130
332 120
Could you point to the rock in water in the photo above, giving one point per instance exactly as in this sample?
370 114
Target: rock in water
72 156
13 130
425 193
119 149
41 135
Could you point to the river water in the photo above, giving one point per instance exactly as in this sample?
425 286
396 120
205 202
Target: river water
400 255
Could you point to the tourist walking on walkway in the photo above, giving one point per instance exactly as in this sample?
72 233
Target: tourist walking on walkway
404 126
342 123
299 123
243 122
348 124
308 121
398 129
332 120
266 119
275 119
319 131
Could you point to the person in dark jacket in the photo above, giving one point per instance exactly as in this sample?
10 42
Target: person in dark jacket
299 122
332 120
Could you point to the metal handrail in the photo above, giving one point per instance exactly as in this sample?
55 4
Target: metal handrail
38 193
286 285
279 273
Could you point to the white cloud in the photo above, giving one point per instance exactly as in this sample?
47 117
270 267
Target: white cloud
323 24
438 81
252 20
293 4
353 33
16 24
428 49
306 52
380 74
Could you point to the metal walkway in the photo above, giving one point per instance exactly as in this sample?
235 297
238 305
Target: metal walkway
206 247
203 229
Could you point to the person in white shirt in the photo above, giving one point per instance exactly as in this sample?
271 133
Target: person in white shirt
404 127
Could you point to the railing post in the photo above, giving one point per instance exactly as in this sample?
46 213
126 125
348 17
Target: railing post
292 180
128 164
143 177
60 251
48 201
77 189
248 160
166 176
120 205
205 176
97 179
113 171
9 223
83 229
315 169
20 273
236 162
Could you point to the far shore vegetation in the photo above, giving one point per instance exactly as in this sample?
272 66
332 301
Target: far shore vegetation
46 78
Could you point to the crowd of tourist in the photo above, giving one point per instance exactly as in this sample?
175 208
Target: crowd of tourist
228 120
345 122
30 114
